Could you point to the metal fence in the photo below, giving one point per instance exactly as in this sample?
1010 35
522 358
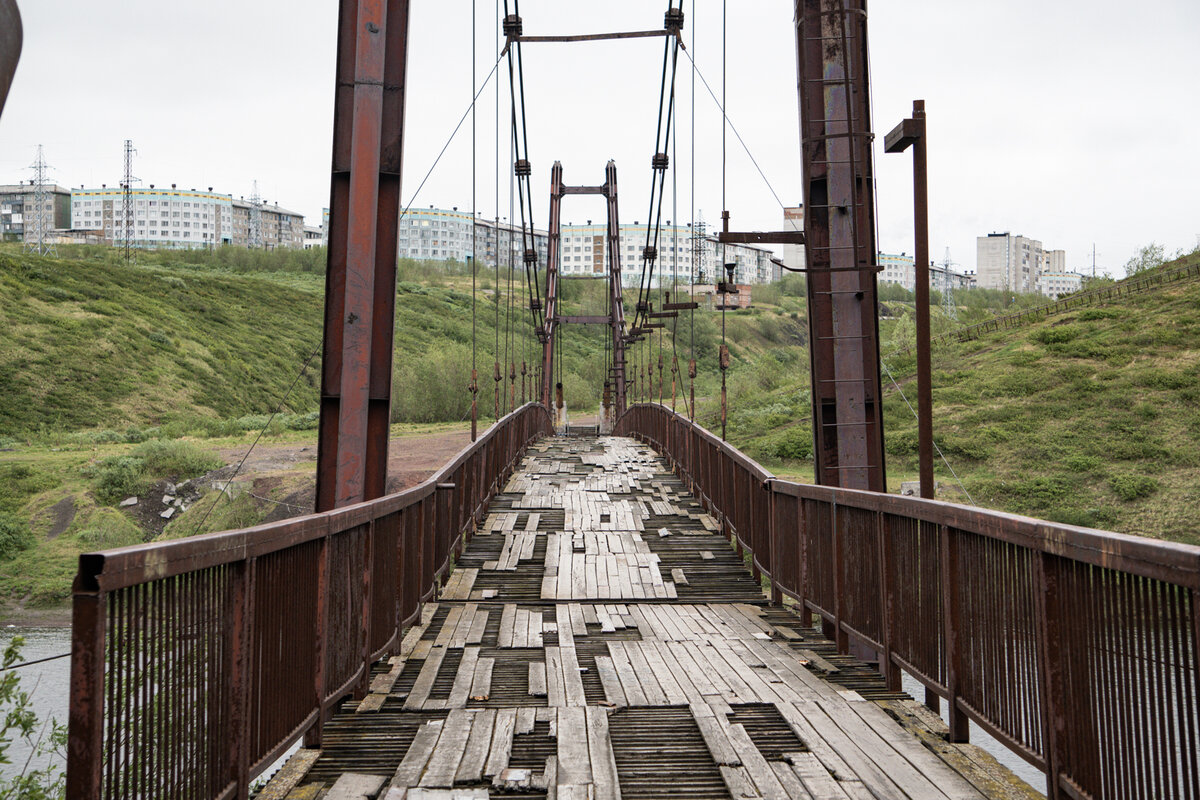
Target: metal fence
1078 649
197 663
1105 294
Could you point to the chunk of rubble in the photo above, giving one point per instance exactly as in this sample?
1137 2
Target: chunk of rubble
170 512
129 501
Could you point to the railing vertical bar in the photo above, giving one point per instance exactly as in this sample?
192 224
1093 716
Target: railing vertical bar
839 579
1050 633
85 766
959 728
315 736
368 605
240 632
885 541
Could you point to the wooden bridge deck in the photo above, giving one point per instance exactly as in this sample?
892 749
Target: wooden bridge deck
600 639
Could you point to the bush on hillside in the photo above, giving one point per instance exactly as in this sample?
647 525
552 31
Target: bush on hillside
1133 487
15 535
177 460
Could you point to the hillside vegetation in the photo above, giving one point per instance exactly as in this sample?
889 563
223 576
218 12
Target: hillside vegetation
1090 417
118 379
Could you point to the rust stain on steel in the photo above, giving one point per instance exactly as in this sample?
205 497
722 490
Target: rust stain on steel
11 36
840 242
361 275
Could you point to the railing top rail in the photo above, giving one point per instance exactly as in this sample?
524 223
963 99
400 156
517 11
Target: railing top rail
119 568
1151 558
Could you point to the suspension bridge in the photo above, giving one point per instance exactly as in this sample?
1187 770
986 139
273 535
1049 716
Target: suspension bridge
638 610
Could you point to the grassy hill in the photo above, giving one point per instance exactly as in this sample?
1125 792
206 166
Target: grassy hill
117 378
1091 417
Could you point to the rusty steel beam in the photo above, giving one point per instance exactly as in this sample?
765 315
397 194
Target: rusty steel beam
552 255
761 237
11 36
839 231
911 133
616 303
360 285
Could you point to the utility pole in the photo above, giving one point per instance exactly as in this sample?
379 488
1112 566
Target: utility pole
127 200
35 240
948 290
255 241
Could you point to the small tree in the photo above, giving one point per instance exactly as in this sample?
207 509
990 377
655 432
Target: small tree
1149 257
18 721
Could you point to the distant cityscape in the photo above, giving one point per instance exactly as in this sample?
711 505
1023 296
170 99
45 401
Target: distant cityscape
170 217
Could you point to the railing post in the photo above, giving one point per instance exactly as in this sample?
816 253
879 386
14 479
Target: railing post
802 532
1050 661
364 682
239 681
839 596
314 737
948 549
85 757
443 513
885 543
773 544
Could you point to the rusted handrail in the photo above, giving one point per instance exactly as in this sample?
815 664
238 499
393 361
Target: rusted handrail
1078 649
197 663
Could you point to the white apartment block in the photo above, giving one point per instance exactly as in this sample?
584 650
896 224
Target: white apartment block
902 271
172 218
793 254
443 235
1009 262
1059 284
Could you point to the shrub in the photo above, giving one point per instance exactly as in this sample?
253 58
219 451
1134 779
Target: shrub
116 478
1133 487
109 528
1060 334
15 535
795 444
178 459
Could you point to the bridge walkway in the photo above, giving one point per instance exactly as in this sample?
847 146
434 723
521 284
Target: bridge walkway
600 639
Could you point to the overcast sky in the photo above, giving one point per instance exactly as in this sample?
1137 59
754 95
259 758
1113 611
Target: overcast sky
1067 121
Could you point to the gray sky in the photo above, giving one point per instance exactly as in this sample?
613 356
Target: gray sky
1068 121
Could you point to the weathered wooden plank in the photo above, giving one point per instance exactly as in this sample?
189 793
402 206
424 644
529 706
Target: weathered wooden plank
609 680
600 752
816 778
290 776
737 781
470 768
537 679
424 684
463 679
574 763
501 747
715 738
572 678
556 692
352 786
411 768
446 756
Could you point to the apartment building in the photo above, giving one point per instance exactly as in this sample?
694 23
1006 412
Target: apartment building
17 210
162 218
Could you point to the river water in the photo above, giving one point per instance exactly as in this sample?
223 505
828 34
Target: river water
49 686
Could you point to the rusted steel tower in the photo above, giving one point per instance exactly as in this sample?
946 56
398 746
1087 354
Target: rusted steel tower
615 319
356 377
839 226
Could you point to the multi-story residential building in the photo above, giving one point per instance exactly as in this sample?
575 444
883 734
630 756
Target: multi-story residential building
313 237
1059 284
440 234
170 218
1005 261
17 211
278 227
793 254
902 271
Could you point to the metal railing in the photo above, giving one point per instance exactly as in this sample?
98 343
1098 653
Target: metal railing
197 663
1078 649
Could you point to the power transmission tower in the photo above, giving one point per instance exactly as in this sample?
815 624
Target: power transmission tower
256 231
35 240
948 289
127 200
